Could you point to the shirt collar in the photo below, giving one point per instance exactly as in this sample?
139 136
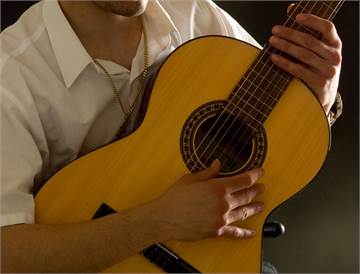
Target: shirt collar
73 58
70 54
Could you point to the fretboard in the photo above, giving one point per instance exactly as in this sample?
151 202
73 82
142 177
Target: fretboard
263 84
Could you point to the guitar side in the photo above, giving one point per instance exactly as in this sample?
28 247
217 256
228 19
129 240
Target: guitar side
143 165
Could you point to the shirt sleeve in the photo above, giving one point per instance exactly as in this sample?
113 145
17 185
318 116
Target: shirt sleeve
20 157
211 19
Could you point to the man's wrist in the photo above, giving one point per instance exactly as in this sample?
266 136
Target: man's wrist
145 226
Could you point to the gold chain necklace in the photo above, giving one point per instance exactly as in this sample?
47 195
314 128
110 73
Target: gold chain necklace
144 75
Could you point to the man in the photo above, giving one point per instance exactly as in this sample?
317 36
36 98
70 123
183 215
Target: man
57 103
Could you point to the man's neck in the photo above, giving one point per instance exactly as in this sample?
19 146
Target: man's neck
103 33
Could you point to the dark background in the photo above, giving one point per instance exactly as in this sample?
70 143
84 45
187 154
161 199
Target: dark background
322 222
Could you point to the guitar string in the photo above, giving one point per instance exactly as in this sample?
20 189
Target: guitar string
167 258
226 130
212 127
304 8
338 6
270 66
323 15
223 112
245 133
264 103
240 127
234 148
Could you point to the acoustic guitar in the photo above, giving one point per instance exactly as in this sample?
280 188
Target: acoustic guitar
213 97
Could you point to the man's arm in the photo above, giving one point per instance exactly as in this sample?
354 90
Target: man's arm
80 247
179 214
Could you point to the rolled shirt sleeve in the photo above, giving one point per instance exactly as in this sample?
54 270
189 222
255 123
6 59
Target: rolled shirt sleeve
21 159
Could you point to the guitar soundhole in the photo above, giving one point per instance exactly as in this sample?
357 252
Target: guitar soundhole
212 133
230 141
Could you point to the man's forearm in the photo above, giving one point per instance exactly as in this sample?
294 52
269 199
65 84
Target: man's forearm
80 247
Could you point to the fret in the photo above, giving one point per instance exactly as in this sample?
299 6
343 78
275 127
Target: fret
247 117
269 72
263 84
324 9
325 4
270 82
283 78
263 91
270 67
243 108
306 9
250 98
247 97
295 25
248 88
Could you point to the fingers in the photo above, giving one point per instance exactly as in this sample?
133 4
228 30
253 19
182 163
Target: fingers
312 79
240 214
232 199
306 56
306 41
243 212
236 232
240 181
321 59
325 27
245 196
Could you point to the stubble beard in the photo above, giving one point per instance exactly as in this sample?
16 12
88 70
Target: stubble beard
124 8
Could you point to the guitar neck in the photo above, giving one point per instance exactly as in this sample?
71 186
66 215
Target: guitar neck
324 9
264 83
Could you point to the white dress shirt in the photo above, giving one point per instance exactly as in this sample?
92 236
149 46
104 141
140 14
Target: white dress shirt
56 104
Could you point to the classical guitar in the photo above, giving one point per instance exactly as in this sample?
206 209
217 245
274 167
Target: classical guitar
213 97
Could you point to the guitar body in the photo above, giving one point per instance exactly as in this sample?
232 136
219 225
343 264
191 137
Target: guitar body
143 165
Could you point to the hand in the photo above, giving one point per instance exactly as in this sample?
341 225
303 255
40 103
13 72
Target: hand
200 205
321 58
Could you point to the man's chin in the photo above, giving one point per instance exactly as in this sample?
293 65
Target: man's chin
124 8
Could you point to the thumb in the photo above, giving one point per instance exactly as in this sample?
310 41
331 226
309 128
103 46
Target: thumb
210 172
